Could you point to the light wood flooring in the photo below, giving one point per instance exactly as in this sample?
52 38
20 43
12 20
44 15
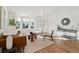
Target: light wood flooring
63 46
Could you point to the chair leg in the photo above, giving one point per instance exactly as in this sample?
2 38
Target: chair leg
44 37
52 38
35 37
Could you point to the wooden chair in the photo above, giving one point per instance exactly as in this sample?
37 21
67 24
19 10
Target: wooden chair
49 35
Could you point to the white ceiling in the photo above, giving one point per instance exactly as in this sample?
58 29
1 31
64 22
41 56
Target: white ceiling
32 10
38 10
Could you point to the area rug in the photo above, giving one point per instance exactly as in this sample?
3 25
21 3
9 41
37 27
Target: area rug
38 44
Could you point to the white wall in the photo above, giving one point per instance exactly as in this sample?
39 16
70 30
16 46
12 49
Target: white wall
54 17
5 18
5 26
59 13
10 15
41 23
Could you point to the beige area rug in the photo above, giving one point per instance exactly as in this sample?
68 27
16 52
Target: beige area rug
38 44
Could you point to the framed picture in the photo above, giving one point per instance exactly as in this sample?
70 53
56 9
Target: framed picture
12 22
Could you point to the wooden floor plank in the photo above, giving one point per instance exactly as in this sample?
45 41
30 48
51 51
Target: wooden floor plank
67 46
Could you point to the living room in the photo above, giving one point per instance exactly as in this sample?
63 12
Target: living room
45 29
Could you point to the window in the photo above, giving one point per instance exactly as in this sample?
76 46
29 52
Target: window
25 22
